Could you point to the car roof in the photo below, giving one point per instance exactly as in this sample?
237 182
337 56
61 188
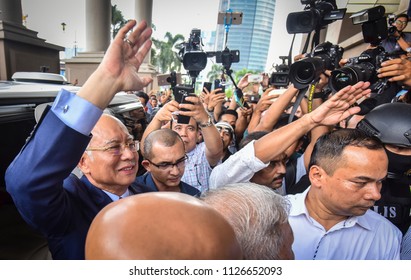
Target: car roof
18 100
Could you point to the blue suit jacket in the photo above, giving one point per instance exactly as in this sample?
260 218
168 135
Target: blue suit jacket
49 198
145 183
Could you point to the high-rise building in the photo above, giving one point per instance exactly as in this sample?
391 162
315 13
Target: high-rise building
253 36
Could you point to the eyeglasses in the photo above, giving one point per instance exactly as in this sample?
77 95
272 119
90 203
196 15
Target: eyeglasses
117 149
400 22
168 165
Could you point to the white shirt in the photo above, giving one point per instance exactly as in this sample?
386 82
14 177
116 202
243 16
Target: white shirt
238 168
367 237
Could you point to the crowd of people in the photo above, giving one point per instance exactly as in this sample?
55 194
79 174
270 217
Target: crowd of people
234 182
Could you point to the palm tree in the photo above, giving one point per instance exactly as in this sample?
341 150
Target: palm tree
165 57
240 73
117 20
215 72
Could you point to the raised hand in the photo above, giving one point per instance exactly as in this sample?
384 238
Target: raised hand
119 67
339 106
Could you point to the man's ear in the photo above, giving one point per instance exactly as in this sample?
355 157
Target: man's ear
83 164
316 175
146 165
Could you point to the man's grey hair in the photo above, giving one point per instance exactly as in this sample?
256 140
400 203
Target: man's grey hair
256 213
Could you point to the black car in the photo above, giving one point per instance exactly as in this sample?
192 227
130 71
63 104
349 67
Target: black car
18 102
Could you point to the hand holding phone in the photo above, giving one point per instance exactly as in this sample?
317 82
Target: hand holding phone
255 78
207 85
217 84
180 95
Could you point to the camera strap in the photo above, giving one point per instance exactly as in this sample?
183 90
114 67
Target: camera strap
297 102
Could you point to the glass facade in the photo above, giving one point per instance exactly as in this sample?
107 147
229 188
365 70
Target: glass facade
253 36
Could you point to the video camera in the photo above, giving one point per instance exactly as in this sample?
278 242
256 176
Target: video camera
325 56
316 15
192 55
279 78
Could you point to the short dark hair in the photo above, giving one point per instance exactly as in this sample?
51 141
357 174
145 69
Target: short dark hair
165 136
402 15
230 112
143 95
329 148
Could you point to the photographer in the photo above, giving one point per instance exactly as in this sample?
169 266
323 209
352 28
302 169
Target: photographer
397 39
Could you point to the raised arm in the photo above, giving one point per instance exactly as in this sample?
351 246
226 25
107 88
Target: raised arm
335 109
118 70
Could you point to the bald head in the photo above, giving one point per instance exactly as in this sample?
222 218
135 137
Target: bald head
161 225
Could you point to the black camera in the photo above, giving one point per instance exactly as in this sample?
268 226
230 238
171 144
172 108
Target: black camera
279 78
325 56
316 15
227 57
373 24
391 28
192 55
361 68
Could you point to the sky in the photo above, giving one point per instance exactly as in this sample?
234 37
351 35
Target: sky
175 16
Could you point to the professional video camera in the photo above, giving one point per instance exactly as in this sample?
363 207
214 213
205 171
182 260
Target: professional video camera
361 68
192 55
316 15
307 70
279 78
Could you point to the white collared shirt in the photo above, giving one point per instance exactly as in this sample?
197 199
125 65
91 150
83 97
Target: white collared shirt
115 197
367 237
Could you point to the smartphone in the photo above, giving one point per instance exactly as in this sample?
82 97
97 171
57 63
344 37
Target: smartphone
217 84
180 94
207 85
230 18
255 78
239 99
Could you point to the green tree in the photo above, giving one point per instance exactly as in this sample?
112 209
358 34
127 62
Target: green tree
117 20
240 73
165 56
215 72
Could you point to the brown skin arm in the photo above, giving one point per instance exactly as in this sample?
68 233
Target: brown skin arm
276 109
335 109
211 136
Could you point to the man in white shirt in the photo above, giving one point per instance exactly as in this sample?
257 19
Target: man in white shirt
332 218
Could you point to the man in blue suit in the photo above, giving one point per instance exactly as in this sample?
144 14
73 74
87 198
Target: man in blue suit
164 160
74 132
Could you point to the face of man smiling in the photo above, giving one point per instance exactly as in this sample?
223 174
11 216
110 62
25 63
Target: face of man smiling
110 161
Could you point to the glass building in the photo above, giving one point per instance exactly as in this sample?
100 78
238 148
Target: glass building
253 36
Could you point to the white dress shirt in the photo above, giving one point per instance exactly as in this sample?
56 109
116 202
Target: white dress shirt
367 237
238 168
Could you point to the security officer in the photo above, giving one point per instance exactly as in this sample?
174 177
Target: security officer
391 123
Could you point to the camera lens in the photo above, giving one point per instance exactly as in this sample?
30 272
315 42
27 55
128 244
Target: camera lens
350 75
305 71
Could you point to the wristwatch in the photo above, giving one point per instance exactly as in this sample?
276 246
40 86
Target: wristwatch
408 50
206 124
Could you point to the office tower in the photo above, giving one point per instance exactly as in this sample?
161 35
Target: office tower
253 36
